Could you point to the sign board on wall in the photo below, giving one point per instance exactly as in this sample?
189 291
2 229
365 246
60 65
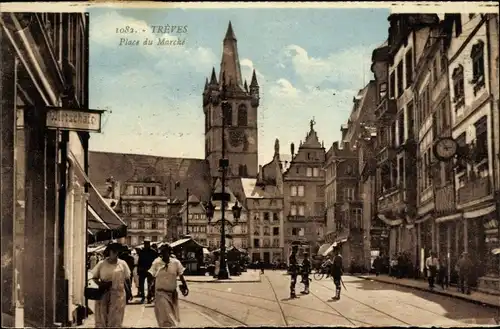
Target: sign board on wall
74 119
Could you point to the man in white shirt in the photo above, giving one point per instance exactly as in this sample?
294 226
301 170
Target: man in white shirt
165 270
432 266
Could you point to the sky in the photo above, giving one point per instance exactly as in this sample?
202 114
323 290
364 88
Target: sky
309 63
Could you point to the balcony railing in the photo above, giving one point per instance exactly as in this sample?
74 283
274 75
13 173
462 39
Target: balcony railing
474 190
386 110
385 154
445 198
390 200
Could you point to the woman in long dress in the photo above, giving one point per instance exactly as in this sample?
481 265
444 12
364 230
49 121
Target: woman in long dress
110 309
165 269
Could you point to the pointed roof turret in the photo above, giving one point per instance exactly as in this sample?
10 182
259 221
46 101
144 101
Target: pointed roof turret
245 85
230 33
230 62
213 78
206 84
254 82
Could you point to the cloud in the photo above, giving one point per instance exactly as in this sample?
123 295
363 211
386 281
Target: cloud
343 69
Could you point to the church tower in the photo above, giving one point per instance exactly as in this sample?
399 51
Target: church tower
241 131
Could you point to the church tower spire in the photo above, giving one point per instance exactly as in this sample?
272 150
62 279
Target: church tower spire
230 62
240 113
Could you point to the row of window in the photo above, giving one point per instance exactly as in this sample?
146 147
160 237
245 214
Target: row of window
140 209
391 175
266 243
267 216
332 197
401 80
145 190
478 77
146 225
352 218
299 190
302 231
298 209
215 243
267 230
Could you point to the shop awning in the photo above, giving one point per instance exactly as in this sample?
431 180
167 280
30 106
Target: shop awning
391 222
102 220
323 248
479 212
448 218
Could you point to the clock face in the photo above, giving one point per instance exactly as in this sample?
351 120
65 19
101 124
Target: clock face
446 149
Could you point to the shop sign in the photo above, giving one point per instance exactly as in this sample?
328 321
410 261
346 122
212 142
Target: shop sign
74 119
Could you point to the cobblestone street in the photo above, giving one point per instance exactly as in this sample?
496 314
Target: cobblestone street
363 303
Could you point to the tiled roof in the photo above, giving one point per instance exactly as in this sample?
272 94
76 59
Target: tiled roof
190 173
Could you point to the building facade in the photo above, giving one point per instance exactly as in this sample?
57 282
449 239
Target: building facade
236 230
194 221
396 151
303 195
341 173
45 188
143 205
264 200
471 120
430 99
357 138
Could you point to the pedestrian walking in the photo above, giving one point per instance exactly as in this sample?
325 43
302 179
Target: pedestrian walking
432 266
262 267
293 268
146 257
306 270
127 257
112 273
135 276
165 270
443 274
93 260
464 269
337 270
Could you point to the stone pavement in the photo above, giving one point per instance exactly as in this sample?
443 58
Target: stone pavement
248 276
267 303
142 316
475 296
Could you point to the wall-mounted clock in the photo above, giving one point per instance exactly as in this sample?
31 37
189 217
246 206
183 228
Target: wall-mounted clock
445 149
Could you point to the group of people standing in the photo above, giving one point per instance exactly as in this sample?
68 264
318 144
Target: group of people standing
436 268
114 274
336 269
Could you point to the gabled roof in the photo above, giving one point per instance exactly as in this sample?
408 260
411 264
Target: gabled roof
190 173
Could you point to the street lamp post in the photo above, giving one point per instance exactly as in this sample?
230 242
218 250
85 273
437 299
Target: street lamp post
223 197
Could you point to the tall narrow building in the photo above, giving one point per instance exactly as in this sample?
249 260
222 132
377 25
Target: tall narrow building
240 118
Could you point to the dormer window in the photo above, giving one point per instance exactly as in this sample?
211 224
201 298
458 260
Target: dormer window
458 87
477 57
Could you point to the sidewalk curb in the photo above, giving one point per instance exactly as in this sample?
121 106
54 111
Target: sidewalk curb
436 292
228 281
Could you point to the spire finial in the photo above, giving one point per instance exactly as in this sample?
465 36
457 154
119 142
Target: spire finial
230 33
213 79
245 85
206 83
254 82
